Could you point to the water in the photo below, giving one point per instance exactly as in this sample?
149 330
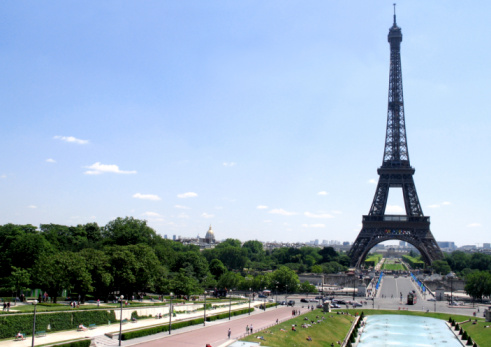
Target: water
398 330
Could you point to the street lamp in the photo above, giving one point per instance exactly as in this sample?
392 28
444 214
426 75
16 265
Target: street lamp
451 275
250 294
170 312
121 319
276 294
264 301
230 305
204 318
34 322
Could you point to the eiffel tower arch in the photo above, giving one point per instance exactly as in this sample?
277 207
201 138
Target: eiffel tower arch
395 172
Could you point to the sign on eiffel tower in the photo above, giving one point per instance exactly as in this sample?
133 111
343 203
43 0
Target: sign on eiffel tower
395 172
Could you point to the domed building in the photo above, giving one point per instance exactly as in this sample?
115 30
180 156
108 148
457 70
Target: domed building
210 236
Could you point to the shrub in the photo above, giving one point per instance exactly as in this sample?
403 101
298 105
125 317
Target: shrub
57 321
83 343
461 331
469 341
457 326
464 335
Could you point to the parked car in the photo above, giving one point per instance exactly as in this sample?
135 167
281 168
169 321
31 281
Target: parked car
334 305
356 304
262 296
313 300
303 300
291 303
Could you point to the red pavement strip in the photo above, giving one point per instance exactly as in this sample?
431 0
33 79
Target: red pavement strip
216 333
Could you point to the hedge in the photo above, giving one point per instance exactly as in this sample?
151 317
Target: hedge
83 343
415 263
373 260
163 328
57 321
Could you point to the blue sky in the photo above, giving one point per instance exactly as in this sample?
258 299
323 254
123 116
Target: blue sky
265 119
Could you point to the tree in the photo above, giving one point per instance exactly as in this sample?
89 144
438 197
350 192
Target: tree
217 268
441 267
64 270
328 254
478 284
306 287
19 279
128 231
286 279
99 266
183 284
229 280
255 251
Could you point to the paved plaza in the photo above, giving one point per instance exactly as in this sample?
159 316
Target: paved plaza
215 333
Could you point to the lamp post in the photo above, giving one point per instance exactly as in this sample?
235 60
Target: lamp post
204 318
276 295
354 281
121 319
451 276
34 322
170 313
250 294
265 301
230 304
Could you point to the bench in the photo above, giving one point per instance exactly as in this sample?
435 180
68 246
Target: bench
17 338
92 326
40 333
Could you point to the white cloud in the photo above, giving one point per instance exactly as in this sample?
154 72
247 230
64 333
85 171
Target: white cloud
71 139
446 203
187 195
146 196
394 209
282 212
98 168
313 225
322 193
151 214
3 176
372 181
32 206
336 212
181 207
206 215
474 225
49 160
320 215
231 163
262 207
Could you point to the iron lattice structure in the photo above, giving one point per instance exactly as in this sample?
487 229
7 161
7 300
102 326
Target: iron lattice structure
396 171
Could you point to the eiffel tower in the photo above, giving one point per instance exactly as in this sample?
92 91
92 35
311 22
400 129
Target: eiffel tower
396 171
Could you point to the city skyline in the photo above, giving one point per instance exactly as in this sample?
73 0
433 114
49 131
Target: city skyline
265 120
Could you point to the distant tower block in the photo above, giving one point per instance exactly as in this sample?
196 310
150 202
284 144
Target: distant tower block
210 236
396 171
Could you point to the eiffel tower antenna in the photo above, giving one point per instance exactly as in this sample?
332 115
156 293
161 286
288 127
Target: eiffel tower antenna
395 172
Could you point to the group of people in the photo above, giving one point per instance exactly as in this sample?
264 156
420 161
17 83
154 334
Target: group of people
6 306
249 330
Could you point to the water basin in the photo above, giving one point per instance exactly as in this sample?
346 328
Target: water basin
410 331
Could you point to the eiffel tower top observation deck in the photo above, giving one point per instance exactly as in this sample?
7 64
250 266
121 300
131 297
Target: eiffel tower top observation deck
396 171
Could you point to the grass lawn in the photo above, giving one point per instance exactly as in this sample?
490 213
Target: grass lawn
333 328
479 334
390 264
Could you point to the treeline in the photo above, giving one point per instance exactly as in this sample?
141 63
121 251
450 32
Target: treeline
127 256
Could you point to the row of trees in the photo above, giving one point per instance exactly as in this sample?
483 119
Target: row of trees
128 256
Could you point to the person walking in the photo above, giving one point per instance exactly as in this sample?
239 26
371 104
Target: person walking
229 333
251 329
247 330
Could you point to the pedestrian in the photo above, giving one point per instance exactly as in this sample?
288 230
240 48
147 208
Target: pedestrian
8 306
247 330
4 306
276 320
251 329
98 302
229 332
